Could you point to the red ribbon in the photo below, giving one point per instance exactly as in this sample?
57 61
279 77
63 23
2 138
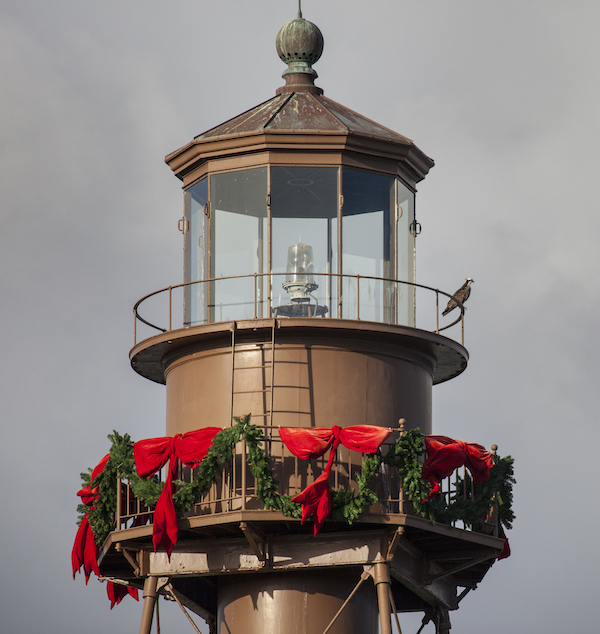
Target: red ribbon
116 592
85 551
313 443
151 455
446 454
505 552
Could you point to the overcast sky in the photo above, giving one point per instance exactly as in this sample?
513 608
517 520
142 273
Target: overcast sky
504 96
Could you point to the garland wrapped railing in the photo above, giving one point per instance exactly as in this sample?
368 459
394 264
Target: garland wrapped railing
482 494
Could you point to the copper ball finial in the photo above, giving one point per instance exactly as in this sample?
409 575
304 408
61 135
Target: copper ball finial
300 42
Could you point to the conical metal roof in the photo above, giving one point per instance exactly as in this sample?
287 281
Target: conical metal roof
299 109
303 112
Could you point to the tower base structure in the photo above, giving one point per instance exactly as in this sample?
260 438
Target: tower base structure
258 575
249 570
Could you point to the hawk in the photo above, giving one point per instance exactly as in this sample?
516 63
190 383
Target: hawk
462 295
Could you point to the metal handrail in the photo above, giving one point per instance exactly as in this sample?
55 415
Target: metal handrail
339 276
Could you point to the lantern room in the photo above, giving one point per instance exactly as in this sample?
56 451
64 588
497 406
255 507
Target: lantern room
299 207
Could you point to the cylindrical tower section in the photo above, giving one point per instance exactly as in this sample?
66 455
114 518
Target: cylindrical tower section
296 603
313 377
298 373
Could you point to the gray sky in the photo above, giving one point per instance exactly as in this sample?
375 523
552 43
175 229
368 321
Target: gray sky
504 96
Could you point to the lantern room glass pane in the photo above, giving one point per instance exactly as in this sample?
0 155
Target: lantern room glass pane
238 232
406 255
195 253
304 204
368 239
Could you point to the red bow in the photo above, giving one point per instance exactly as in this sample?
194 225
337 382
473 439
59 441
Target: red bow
445 455
313 443
151 455
85 551
505 552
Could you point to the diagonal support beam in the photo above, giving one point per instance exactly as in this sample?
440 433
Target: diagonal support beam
394 543
125 552
256 538
367 572
169 589
431 577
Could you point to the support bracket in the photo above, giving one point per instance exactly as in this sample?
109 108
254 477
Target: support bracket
394 543
256 538
127 554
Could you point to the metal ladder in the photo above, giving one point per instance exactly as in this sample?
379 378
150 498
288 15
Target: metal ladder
267 365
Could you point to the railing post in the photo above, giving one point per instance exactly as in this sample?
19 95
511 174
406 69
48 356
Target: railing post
134 327
402 497
118 512
170 308
243 462
358 297
437 312
494 509
255 299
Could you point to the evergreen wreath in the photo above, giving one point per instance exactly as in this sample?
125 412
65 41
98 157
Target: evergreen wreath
347 505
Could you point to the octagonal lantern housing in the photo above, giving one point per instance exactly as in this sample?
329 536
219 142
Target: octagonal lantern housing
242 224
300 172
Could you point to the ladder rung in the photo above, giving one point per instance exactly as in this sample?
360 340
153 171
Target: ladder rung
254 367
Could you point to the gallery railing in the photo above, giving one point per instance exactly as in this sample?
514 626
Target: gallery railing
236 488
239 297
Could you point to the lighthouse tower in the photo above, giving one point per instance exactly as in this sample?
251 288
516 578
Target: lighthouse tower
299 308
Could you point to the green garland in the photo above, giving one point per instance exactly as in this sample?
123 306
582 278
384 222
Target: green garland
474 509
405 455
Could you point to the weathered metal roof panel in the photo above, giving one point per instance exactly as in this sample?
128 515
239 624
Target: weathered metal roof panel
304 111
358 124
250 121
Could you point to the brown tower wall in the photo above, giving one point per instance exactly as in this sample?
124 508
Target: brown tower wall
295 603
323 378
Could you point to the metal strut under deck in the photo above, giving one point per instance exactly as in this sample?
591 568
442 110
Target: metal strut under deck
385 599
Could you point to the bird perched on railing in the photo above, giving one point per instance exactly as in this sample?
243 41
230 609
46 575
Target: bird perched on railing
462 295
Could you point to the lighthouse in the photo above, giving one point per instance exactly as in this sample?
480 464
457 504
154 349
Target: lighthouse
301 345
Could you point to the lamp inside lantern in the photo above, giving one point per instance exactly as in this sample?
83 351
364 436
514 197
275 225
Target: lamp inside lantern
300 279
